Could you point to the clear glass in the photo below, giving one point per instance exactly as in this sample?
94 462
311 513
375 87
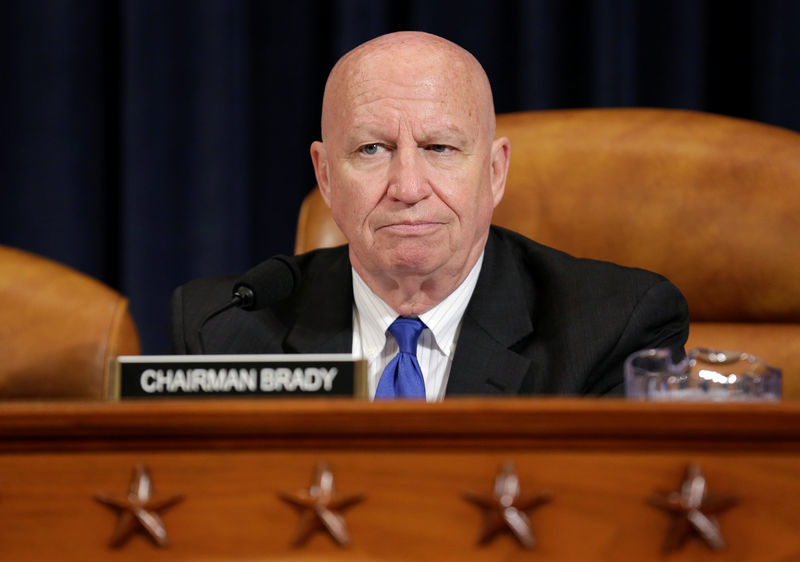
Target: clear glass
704 374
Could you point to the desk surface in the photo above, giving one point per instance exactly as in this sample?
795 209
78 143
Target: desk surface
592 423
599 459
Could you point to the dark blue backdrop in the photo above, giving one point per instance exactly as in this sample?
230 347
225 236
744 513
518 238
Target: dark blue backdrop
150 142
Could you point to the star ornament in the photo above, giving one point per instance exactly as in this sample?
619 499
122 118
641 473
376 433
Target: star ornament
320 509
138 511
506 509
693 511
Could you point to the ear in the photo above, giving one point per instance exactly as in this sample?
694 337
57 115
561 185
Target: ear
319 157
501 157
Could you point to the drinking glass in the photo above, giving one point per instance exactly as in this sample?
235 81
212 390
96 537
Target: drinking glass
703 374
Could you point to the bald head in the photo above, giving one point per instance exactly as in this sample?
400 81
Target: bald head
409 166
420 62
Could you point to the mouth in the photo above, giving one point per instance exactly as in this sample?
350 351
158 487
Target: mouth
411 228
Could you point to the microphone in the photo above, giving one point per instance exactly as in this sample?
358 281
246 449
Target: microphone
269 282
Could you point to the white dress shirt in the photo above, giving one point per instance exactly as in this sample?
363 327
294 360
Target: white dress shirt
436 345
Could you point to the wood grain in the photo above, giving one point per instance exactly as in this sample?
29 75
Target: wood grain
599 459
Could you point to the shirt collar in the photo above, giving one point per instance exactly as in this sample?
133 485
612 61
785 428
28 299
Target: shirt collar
443 320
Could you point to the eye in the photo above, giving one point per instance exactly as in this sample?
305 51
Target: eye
370 149
439 148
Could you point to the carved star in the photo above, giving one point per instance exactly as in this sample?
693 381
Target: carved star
693 511
319 508
507 508
138 510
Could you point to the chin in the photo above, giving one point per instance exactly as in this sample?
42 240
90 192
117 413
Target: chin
422 262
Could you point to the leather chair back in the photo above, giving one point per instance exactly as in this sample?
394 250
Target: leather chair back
59 329
711 202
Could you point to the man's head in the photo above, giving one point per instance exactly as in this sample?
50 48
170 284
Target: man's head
408 164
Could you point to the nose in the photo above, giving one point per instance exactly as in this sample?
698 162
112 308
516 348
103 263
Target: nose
408 181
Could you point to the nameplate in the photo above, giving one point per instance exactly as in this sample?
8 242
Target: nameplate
238 376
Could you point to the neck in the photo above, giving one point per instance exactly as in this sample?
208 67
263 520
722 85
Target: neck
413 293
410 295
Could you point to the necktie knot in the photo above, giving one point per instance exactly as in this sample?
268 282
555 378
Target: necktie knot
402 377
406 331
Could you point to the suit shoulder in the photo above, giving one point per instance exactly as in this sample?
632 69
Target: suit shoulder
236 330
319 261
207 293
541 259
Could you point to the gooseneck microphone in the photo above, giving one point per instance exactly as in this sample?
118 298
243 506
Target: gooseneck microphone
269 282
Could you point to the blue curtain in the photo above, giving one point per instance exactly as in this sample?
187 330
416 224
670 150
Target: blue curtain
150 142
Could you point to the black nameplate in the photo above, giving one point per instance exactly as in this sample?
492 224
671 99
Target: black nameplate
238 376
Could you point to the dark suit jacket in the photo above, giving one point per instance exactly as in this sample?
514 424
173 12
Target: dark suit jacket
539 322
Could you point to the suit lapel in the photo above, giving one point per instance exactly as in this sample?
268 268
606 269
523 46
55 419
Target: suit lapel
324 322
497 317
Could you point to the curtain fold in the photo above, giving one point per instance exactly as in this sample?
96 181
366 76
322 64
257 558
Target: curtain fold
147 143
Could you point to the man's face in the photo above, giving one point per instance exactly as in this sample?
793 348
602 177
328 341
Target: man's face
409 169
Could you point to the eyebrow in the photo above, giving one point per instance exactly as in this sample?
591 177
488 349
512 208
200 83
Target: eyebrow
431 135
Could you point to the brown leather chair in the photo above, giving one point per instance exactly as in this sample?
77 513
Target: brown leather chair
58 330
711 202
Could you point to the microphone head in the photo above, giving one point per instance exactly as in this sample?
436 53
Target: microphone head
269 282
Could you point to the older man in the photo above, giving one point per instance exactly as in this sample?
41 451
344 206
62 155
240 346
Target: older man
437 300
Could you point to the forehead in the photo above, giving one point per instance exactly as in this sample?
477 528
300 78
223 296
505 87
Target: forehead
440 88
423 103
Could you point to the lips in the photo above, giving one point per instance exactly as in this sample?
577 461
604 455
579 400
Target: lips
410 228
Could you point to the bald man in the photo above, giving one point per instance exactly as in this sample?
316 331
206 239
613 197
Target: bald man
411 171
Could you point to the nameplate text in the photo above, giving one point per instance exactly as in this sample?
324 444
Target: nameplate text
247 376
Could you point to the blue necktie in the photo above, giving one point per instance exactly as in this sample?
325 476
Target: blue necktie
402 377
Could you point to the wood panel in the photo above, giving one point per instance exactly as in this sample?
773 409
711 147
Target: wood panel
600 460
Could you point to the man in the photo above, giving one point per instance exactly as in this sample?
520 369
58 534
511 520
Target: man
410 168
